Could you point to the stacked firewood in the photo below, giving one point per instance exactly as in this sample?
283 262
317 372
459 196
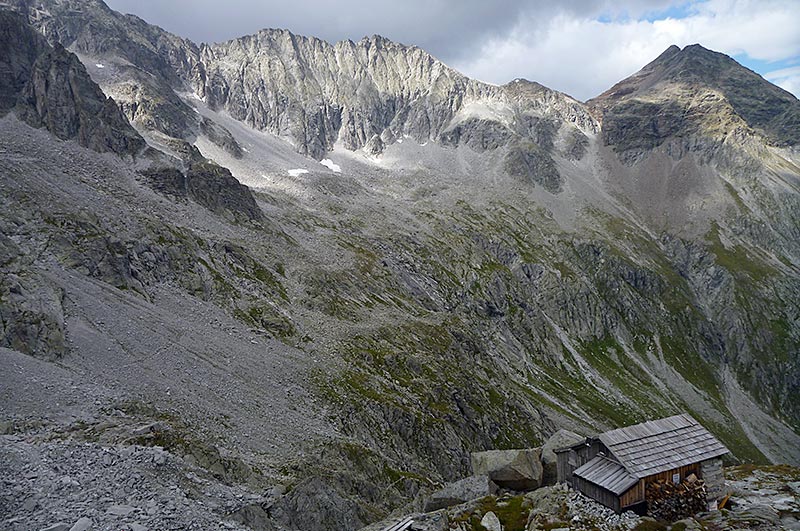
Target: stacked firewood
669 501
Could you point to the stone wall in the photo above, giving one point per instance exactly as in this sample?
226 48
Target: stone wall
712 474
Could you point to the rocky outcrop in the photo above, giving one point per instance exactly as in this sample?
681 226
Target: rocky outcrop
147 60
315 505
532 164
21 47
206 183
560 439
213 186
31 315
512 469
460 491
50 88
61 97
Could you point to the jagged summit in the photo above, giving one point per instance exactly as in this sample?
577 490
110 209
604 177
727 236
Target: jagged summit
357 95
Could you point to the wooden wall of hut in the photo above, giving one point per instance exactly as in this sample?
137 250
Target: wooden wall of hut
606 497
568 461
632 496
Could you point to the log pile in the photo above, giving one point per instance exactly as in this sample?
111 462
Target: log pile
669 501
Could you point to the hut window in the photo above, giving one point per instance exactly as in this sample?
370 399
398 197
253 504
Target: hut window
676 478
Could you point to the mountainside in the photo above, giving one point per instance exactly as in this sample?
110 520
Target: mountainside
419 266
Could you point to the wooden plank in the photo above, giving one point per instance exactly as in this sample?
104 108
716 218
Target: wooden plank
402 525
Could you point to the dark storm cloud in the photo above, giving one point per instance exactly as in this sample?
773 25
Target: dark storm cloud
449 29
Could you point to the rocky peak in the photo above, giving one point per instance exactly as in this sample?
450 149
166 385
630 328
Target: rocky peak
49 87
316 93
368 93
90 27
681 79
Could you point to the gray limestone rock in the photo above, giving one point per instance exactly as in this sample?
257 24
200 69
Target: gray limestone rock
31 315
315 505
513 469
479 135
254 517
560 439
459 492
221 137
153 427
120 510
50 88
215 188
532 164
208 184
83 524
491 522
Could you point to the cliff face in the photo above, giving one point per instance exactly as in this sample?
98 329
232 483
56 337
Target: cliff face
365 95
49 87
368 93
61 97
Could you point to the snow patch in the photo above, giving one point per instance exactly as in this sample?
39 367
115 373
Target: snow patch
485 110
297 172
331 165
99 65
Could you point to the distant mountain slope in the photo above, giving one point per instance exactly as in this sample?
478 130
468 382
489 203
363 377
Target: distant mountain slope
367 95
363 94
696 90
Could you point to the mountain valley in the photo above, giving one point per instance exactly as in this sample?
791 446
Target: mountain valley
309 279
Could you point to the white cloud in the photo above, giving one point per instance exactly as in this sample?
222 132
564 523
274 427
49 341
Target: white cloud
584 57
786 78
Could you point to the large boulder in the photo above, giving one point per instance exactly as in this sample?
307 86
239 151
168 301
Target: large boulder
460 492
512 469
560 439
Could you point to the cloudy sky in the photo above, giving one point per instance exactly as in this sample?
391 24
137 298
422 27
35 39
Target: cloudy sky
581 47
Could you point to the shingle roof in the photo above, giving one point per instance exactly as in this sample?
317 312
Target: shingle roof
607 473
660 445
